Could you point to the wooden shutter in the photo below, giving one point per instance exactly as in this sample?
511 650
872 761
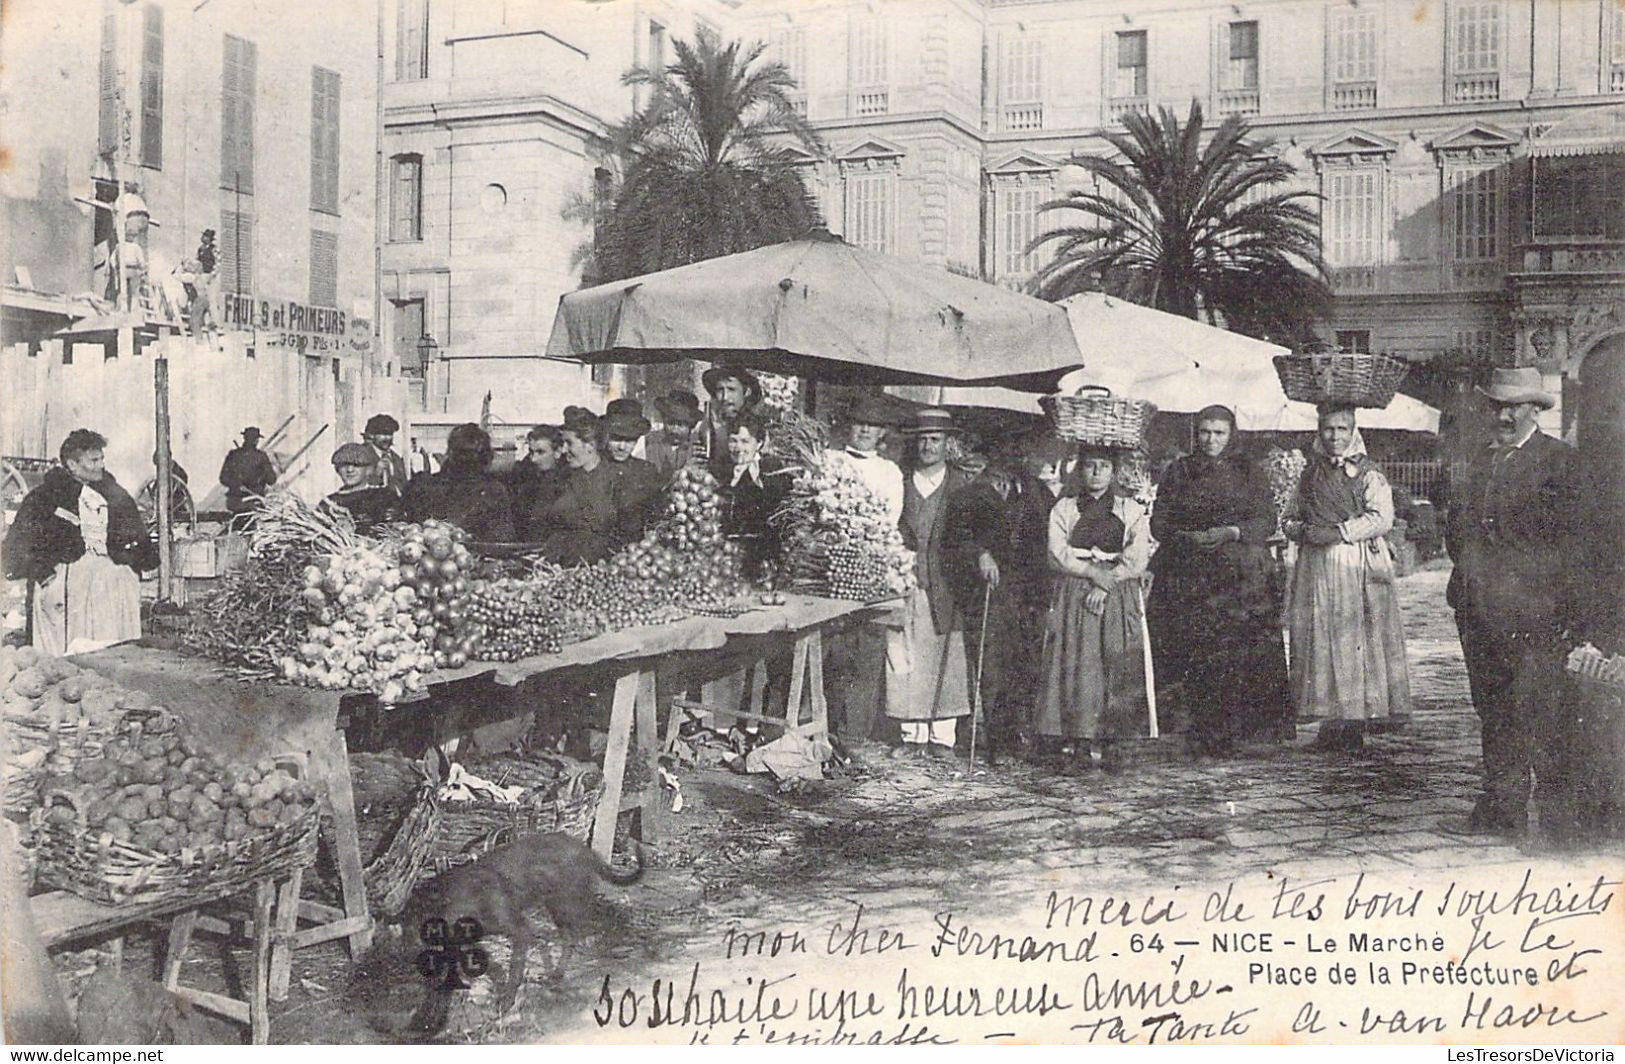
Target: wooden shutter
324 140
152 86
237 80
236 251
107 124
324 269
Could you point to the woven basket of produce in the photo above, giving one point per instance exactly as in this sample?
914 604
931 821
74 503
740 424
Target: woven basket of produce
197 830
1597 671
397 818
1340 377
1097 418
560 794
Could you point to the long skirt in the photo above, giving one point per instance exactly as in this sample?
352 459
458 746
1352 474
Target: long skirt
1093 677
1348 639
926 677
92 603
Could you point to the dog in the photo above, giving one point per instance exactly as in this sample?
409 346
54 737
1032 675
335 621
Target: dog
552 872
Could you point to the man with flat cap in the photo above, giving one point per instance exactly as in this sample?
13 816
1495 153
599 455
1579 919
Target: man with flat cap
247 472
367 504
389 468
1509 532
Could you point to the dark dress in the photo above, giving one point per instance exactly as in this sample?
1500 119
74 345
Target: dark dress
637 487
531 488
1215 615
367 506
472 499
579 525
748 507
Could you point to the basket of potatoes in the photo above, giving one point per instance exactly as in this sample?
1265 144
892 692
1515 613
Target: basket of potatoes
156 817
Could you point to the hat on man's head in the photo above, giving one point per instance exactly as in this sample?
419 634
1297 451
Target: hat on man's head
381 424
870 409
356 454
623 408
622 425
713 378
930 419
679 406
577 413
1522 385
252 432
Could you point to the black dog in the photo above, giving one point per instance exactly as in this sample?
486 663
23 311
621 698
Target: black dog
494 896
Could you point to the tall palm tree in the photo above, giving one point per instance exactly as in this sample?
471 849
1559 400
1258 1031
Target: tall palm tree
1193 229
706 164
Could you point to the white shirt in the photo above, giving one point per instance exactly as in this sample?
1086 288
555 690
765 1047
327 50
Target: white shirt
927 483
882 475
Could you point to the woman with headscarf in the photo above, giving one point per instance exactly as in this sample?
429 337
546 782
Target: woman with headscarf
465 492
580 524
1214 613
1348 640
1093 677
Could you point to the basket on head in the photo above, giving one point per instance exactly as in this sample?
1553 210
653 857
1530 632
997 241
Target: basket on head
1097 418
1340 377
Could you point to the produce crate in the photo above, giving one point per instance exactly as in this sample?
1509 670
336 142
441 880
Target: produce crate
101 869
561 794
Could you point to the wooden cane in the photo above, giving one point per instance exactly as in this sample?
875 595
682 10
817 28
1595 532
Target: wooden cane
976 690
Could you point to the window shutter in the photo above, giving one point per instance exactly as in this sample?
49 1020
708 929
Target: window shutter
152 87
107 124
324 268
236 251
237 78
324 140
246 102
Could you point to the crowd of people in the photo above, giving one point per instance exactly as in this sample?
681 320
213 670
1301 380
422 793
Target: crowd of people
1087 620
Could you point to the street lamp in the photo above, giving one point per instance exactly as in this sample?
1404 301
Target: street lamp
427 349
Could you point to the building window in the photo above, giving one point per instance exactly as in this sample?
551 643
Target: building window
869 72
411 40
236 264
324 140
1022 82
1475 51
109 126
1354 341
1129 85
237 115
869 210
1238 77
1477 343
324 269
655 54
152 86
790 49
1474 212
1579 196
406 198
1018 226
603 374
410 328
1349 227
1613 71
1353 60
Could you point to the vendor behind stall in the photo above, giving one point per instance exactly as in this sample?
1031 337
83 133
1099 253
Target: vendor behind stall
81 551
637 482
368 505
579 525
536 479
753 490
464 492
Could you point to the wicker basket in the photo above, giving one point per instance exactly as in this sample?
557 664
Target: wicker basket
390 877
1097 418
1340 377
102 869
561 794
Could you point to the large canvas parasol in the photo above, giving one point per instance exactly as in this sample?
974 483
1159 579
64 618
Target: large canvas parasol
822 309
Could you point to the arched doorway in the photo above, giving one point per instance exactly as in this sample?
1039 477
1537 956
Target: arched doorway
1601 428
1601 436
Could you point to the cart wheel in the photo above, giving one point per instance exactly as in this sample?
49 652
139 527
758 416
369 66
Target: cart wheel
182 510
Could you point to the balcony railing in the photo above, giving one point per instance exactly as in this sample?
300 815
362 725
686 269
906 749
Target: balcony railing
1238 101
1616 78
1573 256
798 104
1354 279
871 102
1128 105
1476 88
1023 116
1354 96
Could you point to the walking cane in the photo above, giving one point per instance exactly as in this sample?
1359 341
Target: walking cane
981 649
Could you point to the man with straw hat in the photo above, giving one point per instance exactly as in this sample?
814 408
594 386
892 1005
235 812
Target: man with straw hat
927 689
1509 532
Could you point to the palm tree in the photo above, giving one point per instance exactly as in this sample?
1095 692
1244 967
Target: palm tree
1193 229
706 164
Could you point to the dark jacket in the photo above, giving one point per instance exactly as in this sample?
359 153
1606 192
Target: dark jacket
638 485
40 538
1014 529
748 508
367 506
927 541
389 471
246 471
580 524
530 487
471 499
1510 534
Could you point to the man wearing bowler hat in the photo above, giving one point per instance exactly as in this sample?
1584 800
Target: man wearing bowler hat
637 482
246 473
1509 532
389 468
669 447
